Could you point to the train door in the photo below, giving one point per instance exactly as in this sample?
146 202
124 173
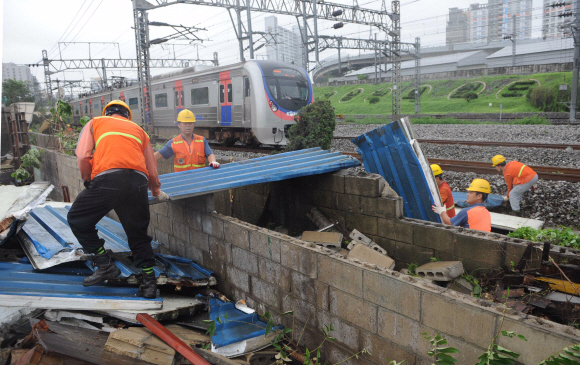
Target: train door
225 94
179 98
247 101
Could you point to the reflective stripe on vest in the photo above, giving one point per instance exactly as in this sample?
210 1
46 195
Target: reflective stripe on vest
185 166
177 142
117 134
451 207
521 170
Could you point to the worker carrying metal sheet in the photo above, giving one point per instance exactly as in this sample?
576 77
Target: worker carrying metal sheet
189 150
116 177
476 216
444 190
519 178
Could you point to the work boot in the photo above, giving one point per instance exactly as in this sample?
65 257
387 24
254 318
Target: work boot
106 270
148 287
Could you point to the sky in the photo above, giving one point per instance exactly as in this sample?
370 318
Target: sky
29 26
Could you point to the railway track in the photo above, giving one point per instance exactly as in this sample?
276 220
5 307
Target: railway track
496 144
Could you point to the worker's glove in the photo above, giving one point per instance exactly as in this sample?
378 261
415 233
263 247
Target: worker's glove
438 209
505 198
162 197
215 164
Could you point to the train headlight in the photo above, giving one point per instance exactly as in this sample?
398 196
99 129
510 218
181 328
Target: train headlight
273 106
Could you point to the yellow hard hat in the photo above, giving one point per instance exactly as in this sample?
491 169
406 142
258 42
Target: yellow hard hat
436 169
480 185
186 116
121 103
497 159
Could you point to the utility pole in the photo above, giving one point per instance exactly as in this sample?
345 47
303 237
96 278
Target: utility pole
376 58
144 75
576 68
417 75
396 58
250 35
315 17
514 32
104 80
47 72
339 63
240 38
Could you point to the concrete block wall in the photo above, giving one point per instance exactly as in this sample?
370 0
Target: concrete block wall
380 310
60 169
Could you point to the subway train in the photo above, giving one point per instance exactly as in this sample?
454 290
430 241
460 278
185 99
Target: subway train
253 102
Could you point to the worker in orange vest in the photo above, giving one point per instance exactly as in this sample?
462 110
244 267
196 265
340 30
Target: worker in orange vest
116 177
444 190
476 216
189 150
519 178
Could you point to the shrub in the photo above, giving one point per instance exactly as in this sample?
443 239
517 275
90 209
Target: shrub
544 98
351 95
374 99
470 96
467 88
314 127
381 92
411 93
508 94
362 77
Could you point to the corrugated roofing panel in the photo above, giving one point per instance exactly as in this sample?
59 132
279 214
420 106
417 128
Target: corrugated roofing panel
538 47
23 286
180 185
388 152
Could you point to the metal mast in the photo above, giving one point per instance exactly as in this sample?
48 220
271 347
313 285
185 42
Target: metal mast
576 69
144 76
417 75
47 73
396 57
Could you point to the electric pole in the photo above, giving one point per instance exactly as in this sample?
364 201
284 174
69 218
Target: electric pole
396 58
514 32
576 35
47 72
417 75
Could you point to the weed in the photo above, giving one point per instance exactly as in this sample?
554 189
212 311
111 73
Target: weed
562 237
412 269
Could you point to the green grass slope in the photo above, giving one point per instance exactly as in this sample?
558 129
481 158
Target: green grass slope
435 101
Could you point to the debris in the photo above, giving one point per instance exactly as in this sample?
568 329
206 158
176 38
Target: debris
319 219
358 237
367 254
173 307
195 339
441 270
241 305
140 343
563 286
461 285
56 316
561 297
332 239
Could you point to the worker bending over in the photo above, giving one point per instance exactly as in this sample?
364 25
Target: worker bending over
189 150
519 178
476 216
116 176
444 191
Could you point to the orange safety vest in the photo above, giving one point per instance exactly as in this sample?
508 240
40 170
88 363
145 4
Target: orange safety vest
447 195
479 218
119 144
188 158
519 172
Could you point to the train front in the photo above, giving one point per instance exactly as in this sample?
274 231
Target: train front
286 89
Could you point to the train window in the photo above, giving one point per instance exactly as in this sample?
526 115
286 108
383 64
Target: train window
177 98
230 93
76 111
182 98
222 97
200 96
133 102
246 86
161 100
86 109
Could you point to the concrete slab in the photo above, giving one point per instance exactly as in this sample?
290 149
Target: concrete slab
333 239
367 254
358 237
510 222
441 270
8 195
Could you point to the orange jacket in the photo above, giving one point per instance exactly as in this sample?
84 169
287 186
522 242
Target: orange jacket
516 173
118 143
447 199
188 157
478 218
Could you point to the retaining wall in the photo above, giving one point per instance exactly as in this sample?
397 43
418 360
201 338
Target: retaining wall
377 309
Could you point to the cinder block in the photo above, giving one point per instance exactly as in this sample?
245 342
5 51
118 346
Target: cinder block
181 231
345 333
441 270
409 253
322 295
274 273
393 294
346 202
370 185
395 229
478 249
237 234
358 237
303 310
333 182
381 350
341 275
327 239
212 225
209 204
265 245
196 203
364 223
438 238
176 211
164 224
354 310
194 253
161 237
193 219
177 246
298 258
457 318
337 354
367 254
238 278
245 260
321 198
266 293
303 286
379 207
401 330
199 239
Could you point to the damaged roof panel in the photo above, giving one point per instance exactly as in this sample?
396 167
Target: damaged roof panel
180 185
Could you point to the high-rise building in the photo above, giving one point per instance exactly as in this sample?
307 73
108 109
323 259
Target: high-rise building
457 29
500 22
13 71
283 44
478 17
553 21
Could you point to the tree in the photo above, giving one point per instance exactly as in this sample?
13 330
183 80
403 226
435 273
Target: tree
17 91
470 96
362 76
314 127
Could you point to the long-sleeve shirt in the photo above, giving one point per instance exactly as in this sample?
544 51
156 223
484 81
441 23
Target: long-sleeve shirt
516 173
84 152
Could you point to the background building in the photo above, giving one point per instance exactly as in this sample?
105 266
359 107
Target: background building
553 21
478 18
457 29
283 44
13 71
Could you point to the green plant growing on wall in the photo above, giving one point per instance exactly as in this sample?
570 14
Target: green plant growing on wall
562 237
314 127
440 351
29 160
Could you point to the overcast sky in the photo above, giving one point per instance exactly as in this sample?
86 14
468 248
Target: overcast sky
29 26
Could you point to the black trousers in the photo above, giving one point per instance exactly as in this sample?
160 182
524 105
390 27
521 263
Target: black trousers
125 192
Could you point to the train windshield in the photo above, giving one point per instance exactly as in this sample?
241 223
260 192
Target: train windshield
288 88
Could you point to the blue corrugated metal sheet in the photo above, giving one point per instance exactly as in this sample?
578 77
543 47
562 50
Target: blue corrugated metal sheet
493 200
282 166
386 151
22 285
